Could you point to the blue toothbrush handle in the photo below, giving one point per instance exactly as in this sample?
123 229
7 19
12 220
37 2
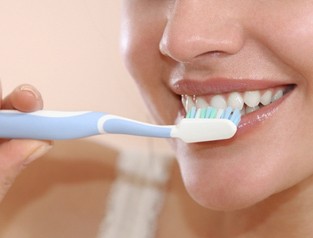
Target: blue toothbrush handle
53 125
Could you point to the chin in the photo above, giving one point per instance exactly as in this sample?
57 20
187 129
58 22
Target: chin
218 181
224 198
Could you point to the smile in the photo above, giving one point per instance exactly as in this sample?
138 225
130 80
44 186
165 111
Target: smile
246 102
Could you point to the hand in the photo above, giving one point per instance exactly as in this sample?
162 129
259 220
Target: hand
17 154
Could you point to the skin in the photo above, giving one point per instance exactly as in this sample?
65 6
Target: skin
258 184
15 155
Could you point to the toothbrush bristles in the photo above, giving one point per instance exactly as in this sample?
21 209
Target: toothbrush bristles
229 113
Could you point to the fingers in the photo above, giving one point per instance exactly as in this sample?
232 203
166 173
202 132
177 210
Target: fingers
16 155
25 98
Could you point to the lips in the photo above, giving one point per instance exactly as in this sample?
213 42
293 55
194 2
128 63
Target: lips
257 99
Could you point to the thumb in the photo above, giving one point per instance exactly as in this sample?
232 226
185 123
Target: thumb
16 155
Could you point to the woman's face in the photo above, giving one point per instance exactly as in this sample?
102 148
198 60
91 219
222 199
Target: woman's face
256 55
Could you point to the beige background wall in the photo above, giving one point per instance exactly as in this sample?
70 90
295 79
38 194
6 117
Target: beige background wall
70 51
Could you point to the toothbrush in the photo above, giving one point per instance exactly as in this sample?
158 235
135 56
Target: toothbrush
200 125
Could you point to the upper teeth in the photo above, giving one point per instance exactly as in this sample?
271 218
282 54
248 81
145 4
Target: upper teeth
245 101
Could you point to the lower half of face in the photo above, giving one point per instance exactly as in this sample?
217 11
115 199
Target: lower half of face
262 159
265 159
271 151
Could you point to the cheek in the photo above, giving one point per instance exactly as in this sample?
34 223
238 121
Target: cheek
140 54
289 37
147 66
142 30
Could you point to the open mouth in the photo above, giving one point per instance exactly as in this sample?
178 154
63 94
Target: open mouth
246 102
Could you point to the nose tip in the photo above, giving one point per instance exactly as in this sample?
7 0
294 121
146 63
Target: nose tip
189 34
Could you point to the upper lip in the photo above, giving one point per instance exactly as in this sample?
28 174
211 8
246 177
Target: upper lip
219 85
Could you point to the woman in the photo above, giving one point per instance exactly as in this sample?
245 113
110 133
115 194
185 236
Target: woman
260 181
256 54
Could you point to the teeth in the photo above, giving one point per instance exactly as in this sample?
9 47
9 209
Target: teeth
218 102
201 103
235 101
266 98
247 102
252 109
252 98
278 95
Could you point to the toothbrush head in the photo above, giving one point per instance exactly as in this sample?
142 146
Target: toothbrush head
207 124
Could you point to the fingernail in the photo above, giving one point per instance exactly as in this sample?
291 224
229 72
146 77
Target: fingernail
29 89
38 152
